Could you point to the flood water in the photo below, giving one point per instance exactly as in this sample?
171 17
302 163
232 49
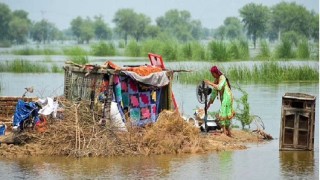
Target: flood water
259 161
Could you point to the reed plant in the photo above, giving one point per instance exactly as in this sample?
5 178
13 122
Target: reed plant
151 46
267 72
31 51
133 49
285 49
303 51
192 51
77 55
22 66
167 48
238 49
218 51
56 69
170 50
265 52
103 49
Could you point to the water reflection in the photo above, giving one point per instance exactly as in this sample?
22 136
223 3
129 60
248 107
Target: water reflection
296 163
225 164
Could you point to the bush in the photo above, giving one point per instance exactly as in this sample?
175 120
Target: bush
133 49
77 55
218 51
103 49
265 52
303 50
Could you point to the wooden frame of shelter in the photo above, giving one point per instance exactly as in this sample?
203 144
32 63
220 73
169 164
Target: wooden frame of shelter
82 83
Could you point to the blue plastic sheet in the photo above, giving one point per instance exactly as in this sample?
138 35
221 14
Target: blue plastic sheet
23 111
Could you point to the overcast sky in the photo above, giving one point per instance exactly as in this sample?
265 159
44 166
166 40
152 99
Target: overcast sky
211 13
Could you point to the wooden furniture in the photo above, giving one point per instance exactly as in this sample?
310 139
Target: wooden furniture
297 122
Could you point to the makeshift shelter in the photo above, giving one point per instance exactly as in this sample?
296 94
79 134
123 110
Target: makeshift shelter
140 92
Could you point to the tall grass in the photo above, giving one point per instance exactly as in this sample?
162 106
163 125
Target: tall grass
103 49
192 51
133 49
22 66
167 48
218 51
238 49
303 51
267 72
285 50
77 55
56 69
32 51
265 52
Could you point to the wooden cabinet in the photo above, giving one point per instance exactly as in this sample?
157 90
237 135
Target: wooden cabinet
297 122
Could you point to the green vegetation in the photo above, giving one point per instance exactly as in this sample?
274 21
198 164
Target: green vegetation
77 55
267 72
243 109
31 51
133 49
218 51
265 52
103 49
56 69
257 20
22 66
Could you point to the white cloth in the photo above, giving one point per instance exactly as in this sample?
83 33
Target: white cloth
50 107
116 118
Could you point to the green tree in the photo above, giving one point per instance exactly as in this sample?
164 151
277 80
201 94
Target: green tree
255 18
220 32
5 18
180 25
152 31
140 29
19 26
314 28
43 31
231 29
291 17
101 29
125 20
234 28
87 30
82 29
76 27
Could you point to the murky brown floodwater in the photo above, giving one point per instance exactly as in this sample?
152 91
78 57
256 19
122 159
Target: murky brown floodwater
258 162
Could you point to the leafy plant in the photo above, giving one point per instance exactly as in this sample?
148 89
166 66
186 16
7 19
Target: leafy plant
103 49
77 55
243 109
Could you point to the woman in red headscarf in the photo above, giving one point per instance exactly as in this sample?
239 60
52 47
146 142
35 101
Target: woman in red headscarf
221 87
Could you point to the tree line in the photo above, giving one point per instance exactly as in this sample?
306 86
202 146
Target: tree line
255 21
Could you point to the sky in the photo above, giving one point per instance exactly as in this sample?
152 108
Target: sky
211 13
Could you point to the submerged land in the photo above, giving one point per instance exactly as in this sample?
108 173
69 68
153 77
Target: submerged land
80 135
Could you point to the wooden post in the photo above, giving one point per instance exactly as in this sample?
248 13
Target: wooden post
107 102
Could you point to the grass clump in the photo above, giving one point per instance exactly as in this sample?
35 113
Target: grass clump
218 51
56 69
303 51
133 49
103 49
192 51
30 51
22 66
265 52
77 55
267 72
